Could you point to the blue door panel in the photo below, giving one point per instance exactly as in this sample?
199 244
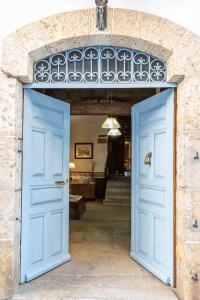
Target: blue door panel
152 185
37 239
45 203
57 155
56 232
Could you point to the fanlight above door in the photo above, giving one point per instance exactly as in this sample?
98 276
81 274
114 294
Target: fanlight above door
100 64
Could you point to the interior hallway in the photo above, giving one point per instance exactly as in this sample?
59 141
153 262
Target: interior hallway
100 267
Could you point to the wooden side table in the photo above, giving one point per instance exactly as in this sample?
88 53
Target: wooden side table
76 207
87 190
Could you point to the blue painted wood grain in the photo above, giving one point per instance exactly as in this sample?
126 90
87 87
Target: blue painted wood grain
152 185
45 204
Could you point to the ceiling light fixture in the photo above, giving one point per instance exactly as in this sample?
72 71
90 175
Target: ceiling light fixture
111 123
114 132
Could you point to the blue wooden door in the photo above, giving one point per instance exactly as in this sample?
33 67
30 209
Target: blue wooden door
152 185
45 195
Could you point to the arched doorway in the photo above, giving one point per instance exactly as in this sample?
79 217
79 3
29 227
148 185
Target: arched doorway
165 40
101 66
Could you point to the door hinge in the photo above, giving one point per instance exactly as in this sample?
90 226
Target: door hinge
20 146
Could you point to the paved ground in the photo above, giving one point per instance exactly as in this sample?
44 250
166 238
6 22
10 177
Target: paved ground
100 267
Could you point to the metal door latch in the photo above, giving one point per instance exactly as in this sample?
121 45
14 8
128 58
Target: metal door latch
196 155
60 182
147 158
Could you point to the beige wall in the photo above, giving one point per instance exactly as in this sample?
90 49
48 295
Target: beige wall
85 129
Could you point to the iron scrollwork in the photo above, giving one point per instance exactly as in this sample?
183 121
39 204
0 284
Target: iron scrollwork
100 64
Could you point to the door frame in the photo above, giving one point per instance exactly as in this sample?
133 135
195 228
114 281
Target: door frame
157 85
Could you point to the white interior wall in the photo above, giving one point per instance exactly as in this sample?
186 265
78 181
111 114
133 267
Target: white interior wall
14 14
85 129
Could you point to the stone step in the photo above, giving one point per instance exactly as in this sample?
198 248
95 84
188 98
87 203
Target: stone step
112 199
119 201
115 193
117 204
114 189
118 197
119 183
121 188
118 193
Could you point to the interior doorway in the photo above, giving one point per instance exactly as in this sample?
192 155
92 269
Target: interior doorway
119 150
123 110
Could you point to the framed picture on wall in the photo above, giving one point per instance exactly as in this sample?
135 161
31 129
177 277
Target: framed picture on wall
83 150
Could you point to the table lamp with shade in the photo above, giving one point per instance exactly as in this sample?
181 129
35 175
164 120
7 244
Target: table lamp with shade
72 166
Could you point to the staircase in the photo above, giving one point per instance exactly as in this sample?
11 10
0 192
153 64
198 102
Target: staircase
118 192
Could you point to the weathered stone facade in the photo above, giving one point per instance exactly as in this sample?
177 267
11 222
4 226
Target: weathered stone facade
128 29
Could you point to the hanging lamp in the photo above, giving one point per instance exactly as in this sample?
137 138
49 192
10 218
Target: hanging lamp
114 132
110 122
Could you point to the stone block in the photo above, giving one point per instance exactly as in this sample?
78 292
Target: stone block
188 175
160 51
10 107
188 108
18 100
55 33
141 44
14 60
7 163
147 27
124 22
6 229
58 46
169 35
188 210
76 24
187 268
33 39
184 60
7 209
123 41
79 41
6 269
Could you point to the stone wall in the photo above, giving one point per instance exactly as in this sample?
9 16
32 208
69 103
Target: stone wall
185 61
126 28
10 182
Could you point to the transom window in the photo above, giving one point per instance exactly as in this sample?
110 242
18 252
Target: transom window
100 64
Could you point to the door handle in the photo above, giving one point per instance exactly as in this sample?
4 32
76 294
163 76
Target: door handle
60 182
147 159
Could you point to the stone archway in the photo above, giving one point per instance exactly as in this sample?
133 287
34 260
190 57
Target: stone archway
127 28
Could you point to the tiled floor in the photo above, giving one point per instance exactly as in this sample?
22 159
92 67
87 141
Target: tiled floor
100 267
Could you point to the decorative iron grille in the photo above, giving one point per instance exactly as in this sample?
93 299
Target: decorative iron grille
100 64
